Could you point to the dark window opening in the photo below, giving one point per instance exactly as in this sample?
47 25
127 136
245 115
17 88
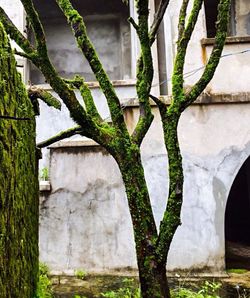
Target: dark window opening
237 220
161 52
239 22
108 29
211 16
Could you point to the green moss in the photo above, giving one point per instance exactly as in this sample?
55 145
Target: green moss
238 271
88 50
18 184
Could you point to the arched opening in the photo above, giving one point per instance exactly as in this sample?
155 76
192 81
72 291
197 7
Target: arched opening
237 220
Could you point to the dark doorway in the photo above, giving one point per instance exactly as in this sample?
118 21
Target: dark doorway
237 220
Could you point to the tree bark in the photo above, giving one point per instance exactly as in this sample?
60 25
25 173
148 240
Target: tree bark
18 182
152 273
172 215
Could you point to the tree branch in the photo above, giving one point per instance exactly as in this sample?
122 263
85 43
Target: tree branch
62 135
161 105
182 18
177 77
36 92
220 37
22 54
40 58
144 74
133 23
37 27
78 82
15 34
79 29
157 20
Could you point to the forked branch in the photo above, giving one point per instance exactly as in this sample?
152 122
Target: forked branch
182 44
220 38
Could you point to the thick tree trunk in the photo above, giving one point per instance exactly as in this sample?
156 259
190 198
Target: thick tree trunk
18 183
153 279
152 274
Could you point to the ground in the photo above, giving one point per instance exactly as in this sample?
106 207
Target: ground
233 284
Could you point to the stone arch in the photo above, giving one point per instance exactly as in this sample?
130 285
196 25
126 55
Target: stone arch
237 220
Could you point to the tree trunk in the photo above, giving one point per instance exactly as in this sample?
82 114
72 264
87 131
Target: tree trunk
153 279
18 182
152 274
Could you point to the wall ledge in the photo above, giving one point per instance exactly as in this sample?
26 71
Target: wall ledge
95 84
44 186
229 40
74 144
204 98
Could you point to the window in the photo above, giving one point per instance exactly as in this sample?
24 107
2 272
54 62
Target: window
161 52
239 23
107 27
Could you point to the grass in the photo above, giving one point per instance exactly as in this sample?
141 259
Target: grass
238 271
44 284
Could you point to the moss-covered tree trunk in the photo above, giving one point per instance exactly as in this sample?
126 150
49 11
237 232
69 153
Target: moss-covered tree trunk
18 182
152 270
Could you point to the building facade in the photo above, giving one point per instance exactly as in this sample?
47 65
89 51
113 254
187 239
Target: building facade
84 217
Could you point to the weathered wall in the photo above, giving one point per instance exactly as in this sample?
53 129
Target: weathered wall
242 17
85 222
108 29
231 75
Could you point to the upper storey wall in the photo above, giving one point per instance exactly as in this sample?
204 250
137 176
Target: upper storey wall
236 55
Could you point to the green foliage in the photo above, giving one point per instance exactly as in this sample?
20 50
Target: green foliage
128 291
238 271
208 290
44 174
81 274
44 284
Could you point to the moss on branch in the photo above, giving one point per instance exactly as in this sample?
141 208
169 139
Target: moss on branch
220 37
87 48
182 18
15 34
144 73
36 92
61 136
182 44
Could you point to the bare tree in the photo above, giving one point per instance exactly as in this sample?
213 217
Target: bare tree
151 247
18 182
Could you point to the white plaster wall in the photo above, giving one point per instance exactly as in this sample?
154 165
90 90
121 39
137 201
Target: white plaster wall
231 75
85 221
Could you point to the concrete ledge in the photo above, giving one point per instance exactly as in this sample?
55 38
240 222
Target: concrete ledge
214 98
204 98
94 84
229 40
74 144
44 186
